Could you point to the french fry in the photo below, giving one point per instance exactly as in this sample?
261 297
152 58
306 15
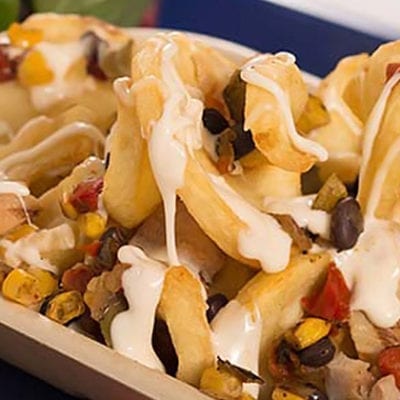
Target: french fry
268 128
54 157
341 94
130 204
278 297
183 307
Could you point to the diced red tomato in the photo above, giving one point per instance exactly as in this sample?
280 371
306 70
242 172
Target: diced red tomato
7 70
92 248
389 362
391 69
333 301
85 196
77 278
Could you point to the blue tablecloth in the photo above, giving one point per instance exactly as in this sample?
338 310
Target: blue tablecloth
17 385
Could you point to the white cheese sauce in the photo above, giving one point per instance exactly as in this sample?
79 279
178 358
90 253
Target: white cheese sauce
372 271
16 188
237 336
263 238
250 75
299 208
59 58
131 330
176 132
32 248
77 129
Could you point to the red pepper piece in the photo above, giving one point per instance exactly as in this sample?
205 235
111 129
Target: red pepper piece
7 67
333 301
77 278
85 196
92 248
389 363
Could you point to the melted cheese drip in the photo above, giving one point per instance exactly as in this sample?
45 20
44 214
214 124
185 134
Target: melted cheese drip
237 336
333 101
59 58
262 239
178 128
372 271
374 121
75 129
250 75
16 188
316 221
131 330
30 249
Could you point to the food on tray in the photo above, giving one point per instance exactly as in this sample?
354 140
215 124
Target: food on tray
153 197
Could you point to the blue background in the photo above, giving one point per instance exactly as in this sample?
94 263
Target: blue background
317 44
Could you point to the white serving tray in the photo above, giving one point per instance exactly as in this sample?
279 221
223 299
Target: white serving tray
76 364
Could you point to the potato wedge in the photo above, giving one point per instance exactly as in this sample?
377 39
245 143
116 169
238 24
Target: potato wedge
183 307
130 191
278 297
271 131
341 94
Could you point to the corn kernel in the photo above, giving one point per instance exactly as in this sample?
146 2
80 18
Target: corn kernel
283 394
92 224
220 384
34 71
65 307
23 37
308 332
68 210
22 287
20 232
47 281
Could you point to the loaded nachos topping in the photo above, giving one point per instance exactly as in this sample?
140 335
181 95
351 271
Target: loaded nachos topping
212 220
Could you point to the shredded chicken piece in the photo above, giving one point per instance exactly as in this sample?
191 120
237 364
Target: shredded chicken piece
385 389
348 379
195 249
101 290
13 212
366 337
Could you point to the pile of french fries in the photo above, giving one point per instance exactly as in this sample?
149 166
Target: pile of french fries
107 132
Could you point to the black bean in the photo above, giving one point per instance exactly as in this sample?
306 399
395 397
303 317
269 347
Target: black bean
111 240
243 143
214 121
164 348
347 223
318 354
92 43
215 303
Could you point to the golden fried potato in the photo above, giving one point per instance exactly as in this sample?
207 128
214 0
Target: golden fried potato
278 297
183 307
44 164
341 95
267 119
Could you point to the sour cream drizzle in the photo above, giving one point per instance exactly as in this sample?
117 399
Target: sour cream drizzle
316 221
237 336
59 58
262 239
250 75
178 129
131 330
